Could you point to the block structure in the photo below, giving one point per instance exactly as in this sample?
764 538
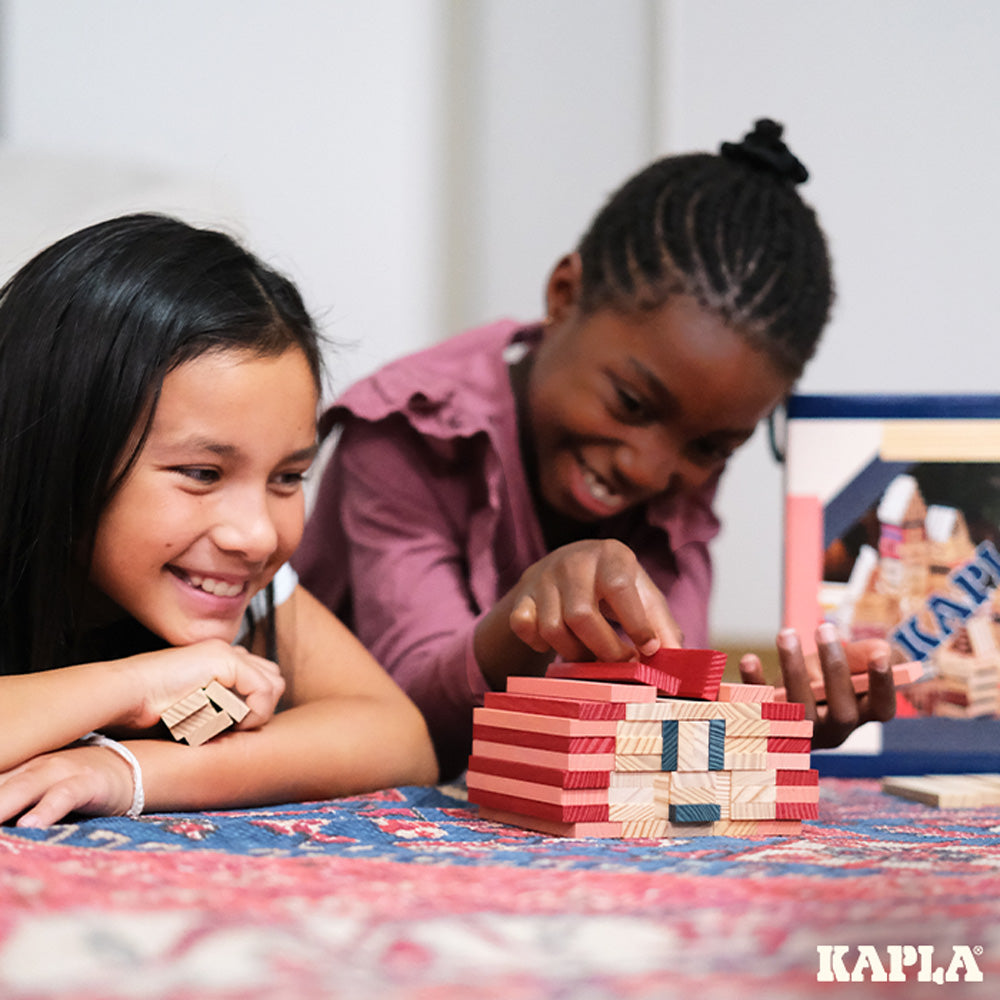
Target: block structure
611 750
204 713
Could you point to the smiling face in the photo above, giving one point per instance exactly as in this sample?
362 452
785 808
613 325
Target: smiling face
213 504
624 408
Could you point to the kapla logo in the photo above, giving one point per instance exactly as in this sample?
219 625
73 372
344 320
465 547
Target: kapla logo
897 964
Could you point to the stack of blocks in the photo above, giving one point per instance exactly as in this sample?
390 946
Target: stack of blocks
648 749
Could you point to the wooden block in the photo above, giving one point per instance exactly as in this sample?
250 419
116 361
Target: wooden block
796 810
201 727
746 692
541 810
716 744
796 793
684 812
698 671
797 777
560 777
230 703
902 674
631 812
569 708
544 758
788 710
185 708
790 727
544 741
681 708
558 687
689 787
622 794
759 828
626 746
534 791
789 744
788 761
670 729
692 745
753 810
638 762
746 761
946 791
641 673
551 827
528 722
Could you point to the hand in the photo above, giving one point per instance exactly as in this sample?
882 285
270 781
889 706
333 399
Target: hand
567 601
844 710
166 676
91 780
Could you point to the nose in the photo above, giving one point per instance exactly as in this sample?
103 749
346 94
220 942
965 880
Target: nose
649 462
247 526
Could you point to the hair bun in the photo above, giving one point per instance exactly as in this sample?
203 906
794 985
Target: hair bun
763 149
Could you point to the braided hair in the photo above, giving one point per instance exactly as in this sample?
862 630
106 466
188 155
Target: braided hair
731 231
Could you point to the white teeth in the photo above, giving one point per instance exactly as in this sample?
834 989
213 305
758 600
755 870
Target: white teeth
598 490
217 587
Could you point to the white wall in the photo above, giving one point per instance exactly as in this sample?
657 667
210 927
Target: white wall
318 126
418 165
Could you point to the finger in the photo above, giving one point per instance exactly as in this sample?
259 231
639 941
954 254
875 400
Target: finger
794 673
751 669
524 624
49 806
554 630
572 622
880 702
862 652
668 632
842 703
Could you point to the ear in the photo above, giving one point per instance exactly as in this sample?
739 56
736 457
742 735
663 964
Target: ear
562 293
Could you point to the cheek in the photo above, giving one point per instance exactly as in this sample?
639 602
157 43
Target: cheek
289 522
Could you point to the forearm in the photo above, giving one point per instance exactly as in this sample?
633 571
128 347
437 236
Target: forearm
49 710
324 749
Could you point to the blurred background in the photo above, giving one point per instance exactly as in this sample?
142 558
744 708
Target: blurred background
417 166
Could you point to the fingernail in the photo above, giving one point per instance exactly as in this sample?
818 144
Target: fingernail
827 632
879 663
788 639
649 647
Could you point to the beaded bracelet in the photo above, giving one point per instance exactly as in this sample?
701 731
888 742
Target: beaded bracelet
138 794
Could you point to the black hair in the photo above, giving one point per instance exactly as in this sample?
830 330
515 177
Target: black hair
88 330
731 231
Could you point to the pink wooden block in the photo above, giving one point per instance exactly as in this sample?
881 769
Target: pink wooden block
562 687
560 777
544 741
595 813
536 792
551 827
745 692
569 761
530 722
568 708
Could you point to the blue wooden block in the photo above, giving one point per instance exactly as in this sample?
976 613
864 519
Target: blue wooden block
695 812
716 744
668 756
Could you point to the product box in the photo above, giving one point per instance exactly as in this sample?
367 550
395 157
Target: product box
892 529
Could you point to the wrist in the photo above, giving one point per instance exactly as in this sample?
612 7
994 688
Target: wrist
138 792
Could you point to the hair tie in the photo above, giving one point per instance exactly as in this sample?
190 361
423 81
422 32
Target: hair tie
763 149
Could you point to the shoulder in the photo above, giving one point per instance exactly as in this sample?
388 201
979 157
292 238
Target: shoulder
451 389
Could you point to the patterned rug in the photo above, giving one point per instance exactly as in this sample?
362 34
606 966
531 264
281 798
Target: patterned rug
407 894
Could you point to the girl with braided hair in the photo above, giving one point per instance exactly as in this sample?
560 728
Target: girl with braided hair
518 493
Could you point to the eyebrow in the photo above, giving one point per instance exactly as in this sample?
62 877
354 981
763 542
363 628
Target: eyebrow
668 401
230 450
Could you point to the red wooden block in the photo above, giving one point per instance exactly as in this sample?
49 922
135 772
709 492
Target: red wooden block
560 777
551 827
563 707
805 777
632 670
698 670
788 744
543 810
560 687
796 810
789 710
544 741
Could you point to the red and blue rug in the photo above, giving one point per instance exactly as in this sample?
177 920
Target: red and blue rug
408 894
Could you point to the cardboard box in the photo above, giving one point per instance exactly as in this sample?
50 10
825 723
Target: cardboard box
892 529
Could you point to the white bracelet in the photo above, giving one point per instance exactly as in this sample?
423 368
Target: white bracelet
138 795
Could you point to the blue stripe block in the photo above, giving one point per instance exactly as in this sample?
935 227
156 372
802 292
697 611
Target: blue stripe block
716 744
668 756
695 812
